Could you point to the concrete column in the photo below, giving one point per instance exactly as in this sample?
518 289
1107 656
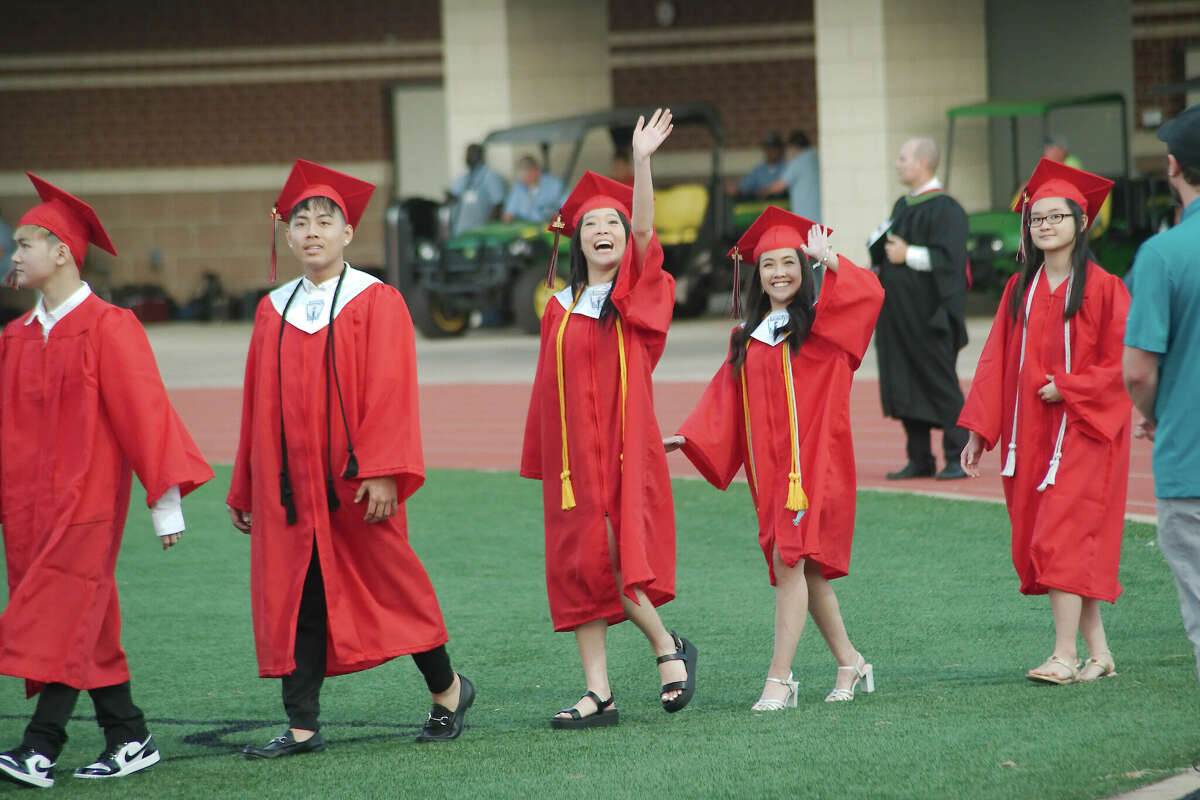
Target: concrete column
512 61
887 70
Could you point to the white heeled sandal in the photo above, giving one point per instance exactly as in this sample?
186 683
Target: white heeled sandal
772 704
862 672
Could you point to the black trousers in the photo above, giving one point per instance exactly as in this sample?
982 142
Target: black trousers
121 720
302 688
919 451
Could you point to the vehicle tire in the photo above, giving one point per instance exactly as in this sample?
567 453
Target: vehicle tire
431 320
529 298
691 295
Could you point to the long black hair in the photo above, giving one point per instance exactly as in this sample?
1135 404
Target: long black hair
801 311
1080 255
579 270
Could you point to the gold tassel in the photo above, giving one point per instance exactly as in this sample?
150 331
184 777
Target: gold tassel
568 493
797 500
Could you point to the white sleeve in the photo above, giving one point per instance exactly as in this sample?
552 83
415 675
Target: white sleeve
167 513
917 258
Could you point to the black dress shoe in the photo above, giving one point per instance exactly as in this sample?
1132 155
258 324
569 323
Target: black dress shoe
913 470
445 725
285 745
952 472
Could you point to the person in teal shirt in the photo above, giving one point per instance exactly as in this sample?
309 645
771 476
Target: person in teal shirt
535 196
1162 365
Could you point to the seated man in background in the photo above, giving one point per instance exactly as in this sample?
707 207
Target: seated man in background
476 195
766 172
535 196
801 178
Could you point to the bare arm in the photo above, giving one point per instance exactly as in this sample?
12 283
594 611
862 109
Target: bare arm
1141 380
647 136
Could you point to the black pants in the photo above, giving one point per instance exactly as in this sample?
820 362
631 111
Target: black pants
302 688
954 439
121 720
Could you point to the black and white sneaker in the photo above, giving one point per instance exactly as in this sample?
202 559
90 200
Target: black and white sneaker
27 767
124 759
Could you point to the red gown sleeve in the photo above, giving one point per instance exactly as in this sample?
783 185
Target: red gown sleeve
644 293
388 438
983 411
715 429
531 451
240 485
847 309
146 426
1095 394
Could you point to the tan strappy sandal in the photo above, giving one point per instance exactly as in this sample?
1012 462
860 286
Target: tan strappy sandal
1072 672
1102 662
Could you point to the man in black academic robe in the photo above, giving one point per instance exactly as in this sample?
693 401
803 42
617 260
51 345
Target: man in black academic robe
920 254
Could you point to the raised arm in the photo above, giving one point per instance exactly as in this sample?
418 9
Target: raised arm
647 136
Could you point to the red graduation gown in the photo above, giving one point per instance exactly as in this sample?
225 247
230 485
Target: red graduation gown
822 370
80 410
1069 536
380 601
634 494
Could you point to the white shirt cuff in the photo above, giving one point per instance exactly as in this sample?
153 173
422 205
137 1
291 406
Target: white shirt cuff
917 258
167 513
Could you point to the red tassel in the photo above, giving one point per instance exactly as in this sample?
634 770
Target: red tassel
1024 226
10 279
274 220
735 302
558 228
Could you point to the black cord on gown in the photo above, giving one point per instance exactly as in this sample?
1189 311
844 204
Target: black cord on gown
286 494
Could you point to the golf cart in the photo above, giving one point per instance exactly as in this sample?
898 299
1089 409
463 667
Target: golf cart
499 268
994 236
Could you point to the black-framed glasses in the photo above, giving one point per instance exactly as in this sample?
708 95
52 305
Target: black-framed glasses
1053 219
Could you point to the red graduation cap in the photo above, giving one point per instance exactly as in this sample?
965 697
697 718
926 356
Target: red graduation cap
1054 179
773 229
309 179
67 217
591 192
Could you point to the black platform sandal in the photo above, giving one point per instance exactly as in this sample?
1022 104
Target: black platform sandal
605 715
686 652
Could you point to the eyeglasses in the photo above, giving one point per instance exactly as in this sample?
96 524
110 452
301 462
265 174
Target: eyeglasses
1052 219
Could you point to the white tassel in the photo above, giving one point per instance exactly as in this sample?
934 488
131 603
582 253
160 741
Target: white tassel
1051 474
1010 463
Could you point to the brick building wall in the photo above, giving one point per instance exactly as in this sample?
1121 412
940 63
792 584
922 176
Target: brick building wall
754 60
1162 35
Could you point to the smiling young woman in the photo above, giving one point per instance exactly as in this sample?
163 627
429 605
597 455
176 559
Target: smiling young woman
1049 390
789 371
593 440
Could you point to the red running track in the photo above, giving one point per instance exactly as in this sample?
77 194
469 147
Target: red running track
480 426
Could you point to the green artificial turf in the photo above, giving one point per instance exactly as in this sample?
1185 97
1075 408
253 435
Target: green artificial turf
932 601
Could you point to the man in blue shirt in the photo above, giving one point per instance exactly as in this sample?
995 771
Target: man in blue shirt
767 171
535 196
1162 365
800 179
475 195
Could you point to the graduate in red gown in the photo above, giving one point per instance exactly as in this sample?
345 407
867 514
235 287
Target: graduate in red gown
330 449
593 440
779 408
1048 390
84 407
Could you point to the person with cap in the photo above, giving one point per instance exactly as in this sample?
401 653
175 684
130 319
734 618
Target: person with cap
789 370
801 178
84 407
1048 390
476 195
1162 365
591 435
535 194
766 172
330 449
920 255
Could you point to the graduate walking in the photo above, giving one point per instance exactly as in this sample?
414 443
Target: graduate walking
592 438
779 408
1049 391
330 449
84 408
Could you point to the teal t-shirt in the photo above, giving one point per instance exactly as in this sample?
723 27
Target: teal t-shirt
1164 318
